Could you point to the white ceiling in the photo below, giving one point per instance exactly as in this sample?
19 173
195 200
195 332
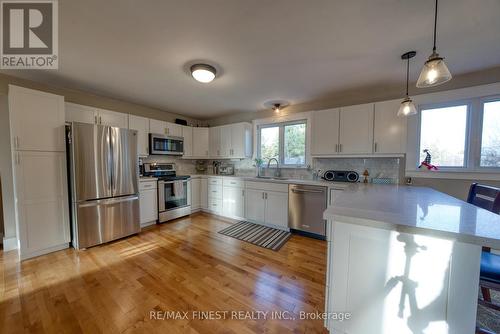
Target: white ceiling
295 50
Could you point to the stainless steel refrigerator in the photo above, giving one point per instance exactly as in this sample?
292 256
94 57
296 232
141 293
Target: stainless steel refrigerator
104 176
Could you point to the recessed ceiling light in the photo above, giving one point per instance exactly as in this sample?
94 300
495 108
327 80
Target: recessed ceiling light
203 73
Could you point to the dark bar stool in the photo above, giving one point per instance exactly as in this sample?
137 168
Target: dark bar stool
488 198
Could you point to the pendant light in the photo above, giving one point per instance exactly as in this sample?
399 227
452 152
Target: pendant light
435 71
407 107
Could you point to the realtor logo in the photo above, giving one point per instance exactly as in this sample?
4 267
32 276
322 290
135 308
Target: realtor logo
29 36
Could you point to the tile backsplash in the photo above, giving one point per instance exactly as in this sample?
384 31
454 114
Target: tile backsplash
377 167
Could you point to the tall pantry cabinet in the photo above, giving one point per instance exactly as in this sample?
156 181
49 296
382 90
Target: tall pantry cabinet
39 166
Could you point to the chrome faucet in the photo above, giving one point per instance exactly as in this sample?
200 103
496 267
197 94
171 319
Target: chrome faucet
277 173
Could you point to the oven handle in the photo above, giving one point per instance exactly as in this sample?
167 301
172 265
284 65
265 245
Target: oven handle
170 182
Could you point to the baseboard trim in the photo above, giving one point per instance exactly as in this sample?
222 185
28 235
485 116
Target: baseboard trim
56 248
10 244
153 222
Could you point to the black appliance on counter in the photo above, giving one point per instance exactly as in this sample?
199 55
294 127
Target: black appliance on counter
341 176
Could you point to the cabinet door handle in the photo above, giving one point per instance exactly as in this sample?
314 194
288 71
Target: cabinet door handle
95 119
340 147
375 147
16 142
263 196
336 147
243 192
100 119
266 195
18 159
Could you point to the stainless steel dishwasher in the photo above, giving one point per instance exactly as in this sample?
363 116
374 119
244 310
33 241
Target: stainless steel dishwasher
306 205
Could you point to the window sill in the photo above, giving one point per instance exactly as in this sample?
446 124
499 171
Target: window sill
487 175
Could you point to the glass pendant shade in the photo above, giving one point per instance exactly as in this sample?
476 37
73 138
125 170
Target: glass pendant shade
407 108
435 72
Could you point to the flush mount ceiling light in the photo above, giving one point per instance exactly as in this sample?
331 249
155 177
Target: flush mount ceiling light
203 73
435 72
276 105
277 108
407 107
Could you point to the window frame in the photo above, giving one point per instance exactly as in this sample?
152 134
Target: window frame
468 156
480 119
281 138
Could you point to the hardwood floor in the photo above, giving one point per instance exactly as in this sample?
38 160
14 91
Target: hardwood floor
183 265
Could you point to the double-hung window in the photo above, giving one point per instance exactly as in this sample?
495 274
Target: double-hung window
286 142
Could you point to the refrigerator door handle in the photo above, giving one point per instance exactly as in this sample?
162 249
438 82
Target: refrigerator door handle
108 201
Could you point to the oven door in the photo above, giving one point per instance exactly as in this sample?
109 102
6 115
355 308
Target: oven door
166 145
174 199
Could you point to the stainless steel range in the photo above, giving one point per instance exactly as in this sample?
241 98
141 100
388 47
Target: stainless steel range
174 191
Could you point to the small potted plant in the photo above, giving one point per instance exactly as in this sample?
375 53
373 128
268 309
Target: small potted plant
258 165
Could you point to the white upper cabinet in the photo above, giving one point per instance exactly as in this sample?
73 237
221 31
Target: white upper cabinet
200 142
36 120
225 141
112 118
241 141
165 128
141 124
79 113
232 141
85 114
187 134
157 127
172 129
389 129
325 132
215 138
356 129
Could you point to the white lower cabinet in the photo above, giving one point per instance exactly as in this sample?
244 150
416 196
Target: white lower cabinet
255 205
276 212
233 199
195 193
204 193
198 193
148 202
258 202
215 195
267 203
41 202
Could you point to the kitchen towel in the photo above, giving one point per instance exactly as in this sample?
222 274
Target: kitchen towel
178 188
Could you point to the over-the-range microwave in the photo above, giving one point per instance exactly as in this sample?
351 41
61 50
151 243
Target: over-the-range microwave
165 145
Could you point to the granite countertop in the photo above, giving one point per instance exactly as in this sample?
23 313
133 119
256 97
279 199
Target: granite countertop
416 210
333 185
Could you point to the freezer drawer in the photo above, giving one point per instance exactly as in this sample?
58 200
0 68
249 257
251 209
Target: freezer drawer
106 220
306 205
